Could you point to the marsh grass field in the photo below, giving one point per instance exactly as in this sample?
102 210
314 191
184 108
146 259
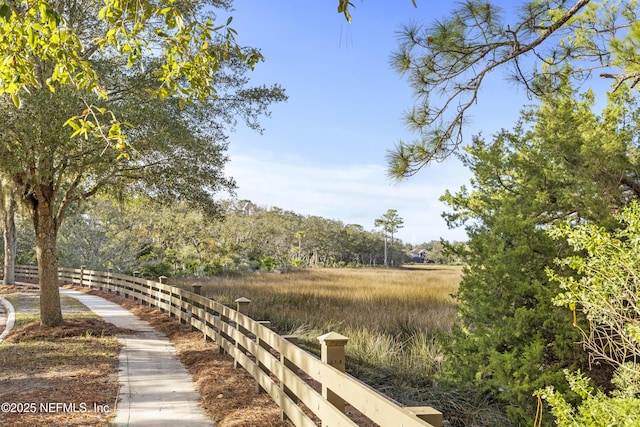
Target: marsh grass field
391 316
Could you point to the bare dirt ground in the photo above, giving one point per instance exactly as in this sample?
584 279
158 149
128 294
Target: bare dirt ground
60 376
77 363
57 376
227 394
3 318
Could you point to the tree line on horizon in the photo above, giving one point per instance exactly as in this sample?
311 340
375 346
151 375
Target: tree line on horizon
152 239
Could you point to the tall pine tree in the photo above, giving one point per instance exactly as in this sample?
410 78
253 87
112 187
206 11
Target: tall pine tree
561 162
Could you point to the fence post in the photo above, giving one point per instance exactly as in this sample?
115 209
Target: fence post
332 353
163 281
196 288
32 274
289 364
110 285
89 278
263 344
242 307
82 275
109 270
133 291
224 336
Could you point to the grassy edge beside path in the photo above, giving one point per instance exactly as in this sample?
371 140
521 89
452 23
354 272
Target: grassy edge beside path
65 375
69 372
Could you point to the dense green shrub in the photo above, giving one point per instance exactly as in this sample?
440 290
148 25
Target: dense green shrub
557 164
605 291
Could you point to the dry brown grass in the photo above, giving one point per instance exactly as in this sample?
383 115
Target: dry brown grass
393 301
44 369
391 316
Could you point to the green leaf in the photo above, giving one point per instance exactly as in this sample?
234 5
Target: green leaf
179 22
31 38
72 124
78 132
114 131
5 11
16 100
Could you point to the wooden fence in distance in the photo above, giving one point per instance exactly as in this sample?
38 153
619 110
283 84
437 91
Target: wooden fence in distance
275 361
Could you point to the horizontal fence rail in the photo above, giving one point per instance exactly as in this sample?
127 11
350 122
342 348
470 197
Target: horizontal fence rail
278 365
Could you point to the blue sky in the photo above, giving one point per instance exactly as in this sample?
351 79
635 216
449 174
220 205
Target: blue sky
323 151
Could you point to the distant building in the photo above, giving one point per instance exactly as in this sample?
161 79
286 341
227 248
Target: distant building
418 255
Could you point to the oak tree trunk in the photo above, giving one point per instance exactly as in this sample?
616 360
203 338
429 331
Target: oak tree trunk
46 233
10 238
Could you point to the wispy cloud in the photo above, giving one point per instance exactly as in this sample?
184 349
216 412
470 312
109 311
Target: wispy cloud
353 194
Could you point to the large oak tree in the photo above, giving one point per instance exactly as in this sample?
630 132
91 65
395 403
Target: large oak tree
112 96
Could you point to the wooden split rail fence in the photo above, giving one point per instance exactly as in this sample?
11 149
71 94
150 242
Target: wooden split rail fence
275 361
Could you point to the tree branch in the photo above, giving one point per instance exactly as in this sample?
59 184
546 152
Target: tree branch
464 59
623 77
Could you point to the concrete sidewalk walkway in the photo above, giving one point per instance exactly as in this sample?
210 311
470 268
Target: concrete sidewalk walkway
156 388
7 318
